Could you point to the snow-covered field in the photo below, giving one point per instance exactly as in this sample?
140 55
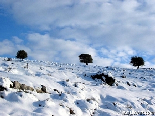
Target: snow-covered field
72 91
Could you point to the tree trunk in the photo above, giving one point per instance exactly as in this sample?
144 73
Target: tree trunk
138 67
86 63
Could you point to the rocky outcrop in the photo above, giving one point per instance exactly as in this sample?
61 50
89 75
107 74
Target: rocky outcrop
5 83
17 85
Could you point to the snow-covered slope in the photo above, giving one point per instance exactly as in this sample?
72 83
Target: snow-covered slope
72 91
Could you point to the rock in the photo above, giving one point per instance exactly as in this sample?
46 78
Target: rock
128 83
71 111
56 90
43 88
9 59
23 87
2 88
16 85
29 88
123 76
39 91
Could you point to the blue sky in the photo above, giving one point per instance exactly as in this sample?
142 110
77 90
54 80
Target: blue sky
112 31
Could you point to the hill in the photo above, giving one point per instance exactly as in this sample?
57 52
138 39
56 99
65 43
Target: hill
68 89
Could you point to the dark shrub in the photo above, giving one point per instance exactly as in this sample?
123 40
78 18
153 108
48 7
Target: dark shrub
108 80
98 76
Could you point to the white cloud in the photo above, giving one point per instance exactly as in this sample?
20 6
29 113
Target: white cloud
102 61
122 65
45 47
121 54
17 40
111 31
130 5
7 47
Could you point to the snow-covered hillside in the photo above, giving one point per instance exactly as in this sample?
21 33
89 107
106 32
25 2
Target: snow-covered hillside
72 92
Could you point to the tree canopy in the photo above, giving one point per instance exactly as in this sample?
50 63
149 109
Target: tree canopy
85 58
21 54
137 61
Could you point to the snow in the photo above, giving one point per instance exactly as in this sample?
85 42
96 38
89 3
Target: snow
72 91
5 82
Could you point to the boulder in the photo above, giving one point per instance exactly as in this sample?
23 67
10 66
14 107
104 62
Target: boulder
16 85
29 88
23 87
43 88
